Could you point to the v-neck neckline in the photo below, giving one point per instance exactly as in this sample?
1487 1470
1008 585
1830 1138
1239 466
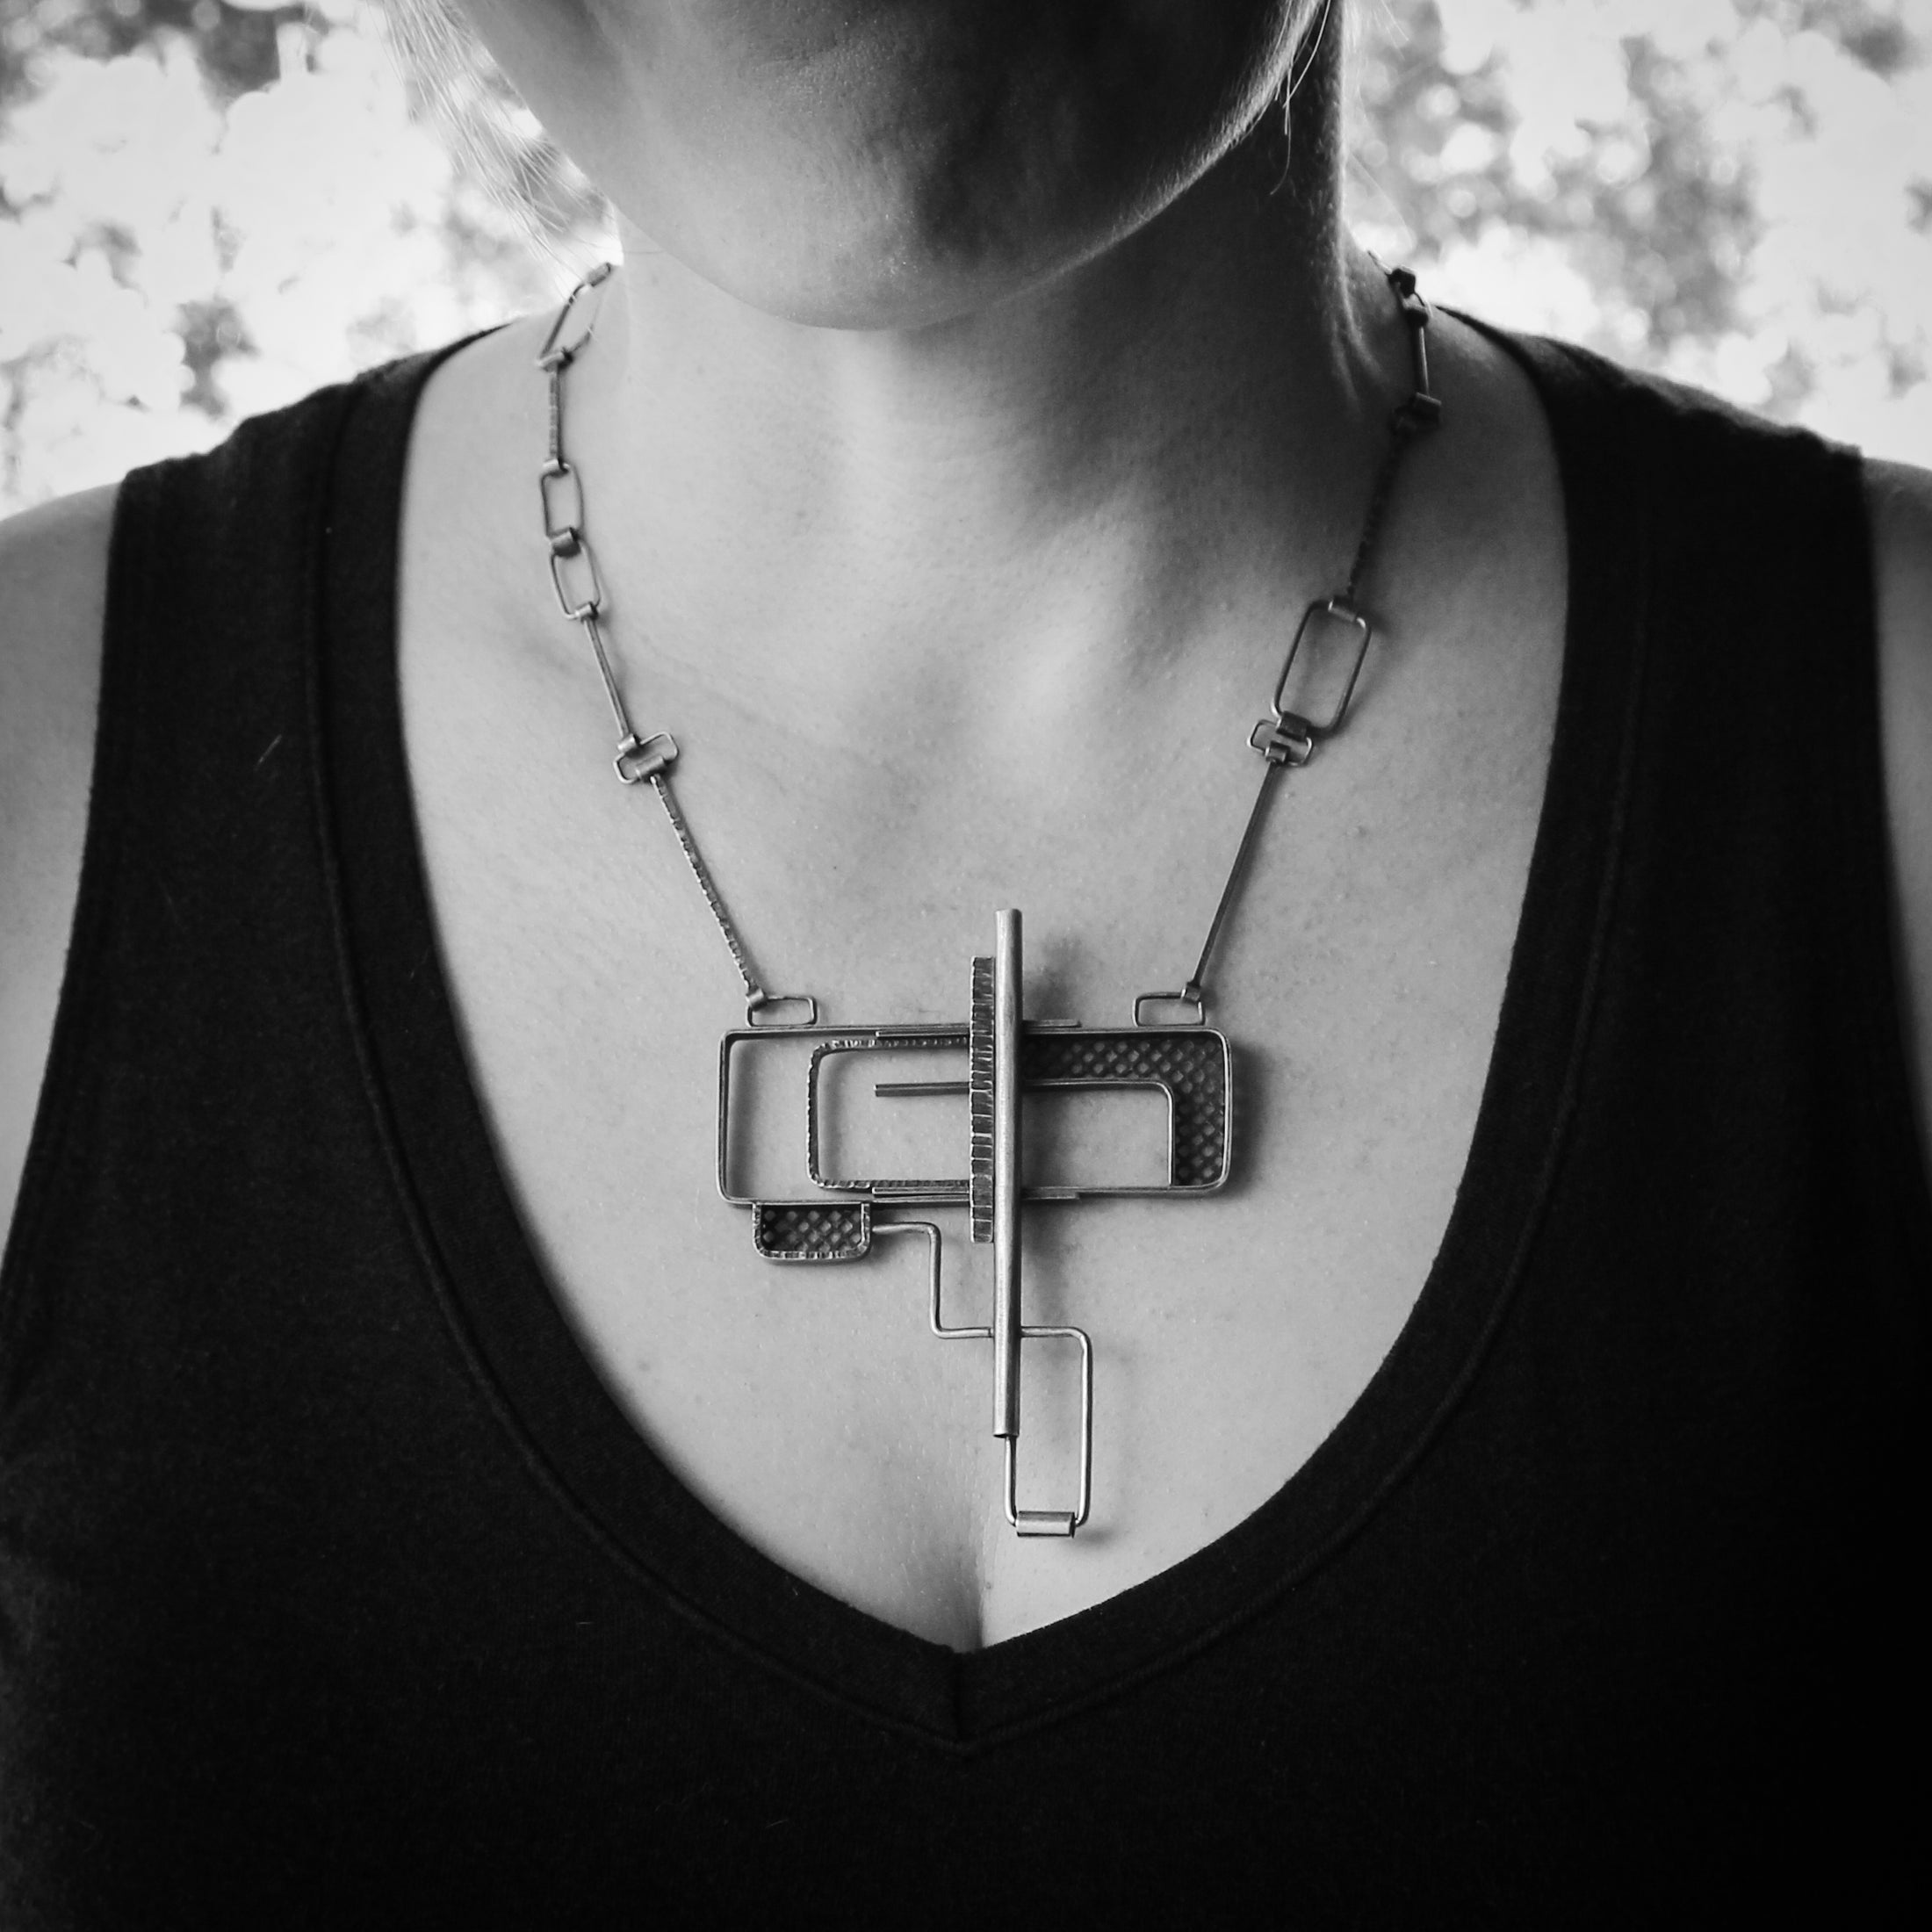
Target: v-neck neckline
569 1430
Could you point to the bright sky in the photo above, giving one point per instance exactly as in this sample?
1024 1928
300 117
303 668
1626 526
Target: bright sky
136 196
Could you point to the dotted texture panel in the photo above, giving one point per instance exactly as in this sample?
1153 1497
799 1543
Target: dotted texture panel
836 1231
1191 1064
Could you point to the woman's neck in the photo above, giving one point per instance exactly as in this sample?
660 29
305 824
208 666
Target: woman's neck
1073 469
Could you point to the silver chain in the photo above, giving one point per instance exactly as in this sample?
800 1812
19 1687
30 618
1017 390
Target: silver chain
1286 739
580 595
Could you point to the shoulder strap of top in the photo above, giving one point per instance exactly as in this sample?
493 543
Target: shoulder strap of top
199 885
1758 838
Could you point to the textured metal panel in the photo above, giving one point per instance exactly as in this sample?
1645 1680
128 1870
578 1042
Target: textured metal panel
1190 1063
835 1231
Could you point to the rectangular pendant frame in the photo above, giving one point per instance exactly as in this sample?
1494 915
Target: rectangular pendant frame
1192 1066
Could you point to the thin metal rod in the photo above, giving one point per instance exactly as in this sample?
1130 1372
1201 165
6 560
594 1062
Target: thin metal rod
594 632
1420 412
561 350
1379 493
1231 888
934 1319
1006 1288
740 958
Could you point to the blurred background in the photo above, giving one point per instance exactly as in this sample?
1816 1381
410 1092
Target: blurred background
207 209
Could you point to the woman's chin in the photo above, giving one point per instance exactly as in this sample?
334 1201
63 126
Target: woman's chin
899 163
858 262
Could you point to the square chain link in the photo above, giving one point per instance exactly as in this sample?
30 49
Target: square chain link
573 570
1323 612
563 501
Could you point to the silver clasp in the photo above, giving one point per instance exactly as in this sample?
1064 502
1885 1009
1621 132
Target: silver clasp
1192 999
572 328
759 1009
638 758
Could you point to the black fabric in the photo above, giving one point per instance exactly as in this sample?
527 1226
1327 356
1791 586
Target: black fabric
334 1590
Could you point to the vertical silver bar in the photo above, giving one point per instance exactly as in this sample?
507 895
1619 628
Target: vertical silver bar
1006 1311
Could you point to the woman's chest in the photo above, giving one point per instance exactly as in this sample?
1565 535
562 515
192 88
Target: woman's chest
812 1405
861 830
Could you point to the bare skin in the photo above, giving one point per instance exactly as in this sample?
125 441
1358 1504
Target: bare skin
968 606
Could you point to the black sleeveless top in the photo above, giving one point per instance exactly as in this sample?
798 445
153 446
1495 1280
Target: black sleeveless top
335 1588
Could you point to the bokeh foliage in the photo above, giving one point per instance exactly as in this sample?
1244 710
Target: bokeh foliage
206 208
1733 191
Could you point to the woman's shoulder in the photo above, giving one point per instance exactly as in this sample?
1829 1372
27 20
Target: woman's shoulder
1899 501
55 570
1899 497
53 585
1721 457
187 526
53 597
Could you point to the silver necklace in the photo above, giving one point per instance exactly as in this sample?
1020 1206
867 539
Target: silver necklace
1169 1049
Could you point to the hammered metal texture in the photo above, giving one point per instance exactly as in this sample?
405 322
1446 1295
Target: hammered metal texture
979 1088
1190 1064
838 1232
